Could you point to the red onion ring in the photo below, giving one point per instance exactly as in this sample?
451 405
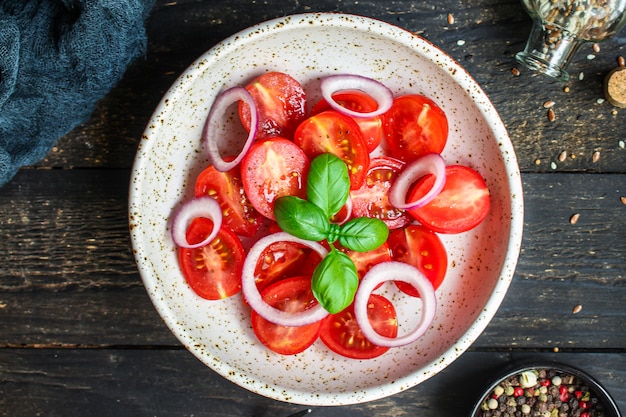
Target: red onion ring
431 163
198 207
348 206
210 134
394 271
378 91
253 296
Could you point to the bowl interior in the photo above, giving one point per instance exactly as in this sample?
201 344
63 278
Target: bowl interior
481 262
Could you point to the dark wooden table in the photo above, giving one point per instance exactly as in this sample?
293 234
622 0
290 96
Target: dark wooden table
79 336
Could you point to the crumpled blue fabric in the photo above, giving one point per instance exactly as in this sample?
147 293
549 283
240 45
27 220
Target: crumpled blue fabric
57 59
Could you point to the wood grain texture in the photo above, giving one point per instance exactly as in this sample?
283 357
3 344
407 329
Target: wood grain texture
171 383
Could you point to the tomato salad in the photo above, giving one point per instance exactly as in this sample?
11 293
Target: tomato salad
318 209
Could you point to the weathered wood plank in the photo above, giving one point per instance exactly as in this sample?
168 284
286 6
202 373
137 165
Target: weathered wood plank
119 383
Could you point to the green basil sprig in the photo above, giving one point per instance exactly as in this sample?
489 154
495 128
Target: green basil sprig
335 279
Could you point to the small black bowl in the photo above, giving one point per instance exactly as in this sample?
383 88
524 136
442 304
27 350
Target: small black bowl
608 404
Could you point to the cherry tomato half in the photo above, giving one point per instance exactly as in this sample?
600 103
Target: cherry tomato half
422 248
341 333
356 100
372 199
463 203
282 260
273 168
291 295
415 126
333 132
227 188
212 271
281 105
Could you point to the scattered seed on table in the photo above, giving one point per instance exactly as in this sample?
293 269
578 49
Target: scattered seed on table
577 309
581 76
460 42
548 104
596 47
551 115
623 200
555 349
566 89
600 100
621 144
515 72
563 156
574 218
591 56
596 156
553 165
450 19
621 61
537 161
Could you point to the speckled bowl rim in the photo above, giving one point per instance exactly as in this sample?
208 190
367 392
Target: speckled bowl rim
512 175
520 366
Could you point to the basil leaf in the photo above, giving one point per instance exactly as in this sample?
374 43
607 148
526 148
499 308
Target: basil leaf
335 281
301 218
328 183
363 234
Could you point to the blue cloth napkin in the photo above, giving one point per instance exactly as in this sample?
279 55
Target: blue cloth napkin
57 59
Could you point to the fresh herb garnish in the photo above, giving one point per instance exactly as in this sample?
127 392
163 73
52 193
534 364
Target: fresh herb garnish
335 279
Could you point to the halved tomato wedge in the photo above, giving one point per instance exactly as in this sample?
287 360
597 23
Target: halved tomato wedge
227 188
462 205
273 168
281 105
212 271
333 132
341 333
415 126
356 100
372 199
422 248
291 295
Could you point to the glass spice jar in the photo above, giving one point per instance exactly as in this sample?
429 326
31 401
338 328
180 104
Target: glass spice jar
561 27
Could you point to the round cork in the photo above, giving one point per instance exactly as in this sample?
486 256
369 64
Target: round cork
615 87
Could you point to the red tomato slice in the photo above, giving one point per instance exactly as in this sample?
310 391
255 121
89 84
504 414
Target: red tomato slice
372 199
281 105
273 168
292 295
463 203
422 248
341 333
371 127
212 271
227 188
333 132
415 126
364 261
283 260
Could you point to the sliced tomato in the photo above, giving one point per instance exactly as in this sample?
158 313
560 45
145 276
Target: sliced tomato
333 132
463 203
356 100
341 333
372 199
283 260
273 168
212 271
414 126
227 188
364 261
422 248
281 105
291 295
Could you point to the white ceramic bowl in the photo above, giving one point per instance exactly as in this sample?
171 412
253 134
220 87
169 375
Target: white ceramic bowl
309 46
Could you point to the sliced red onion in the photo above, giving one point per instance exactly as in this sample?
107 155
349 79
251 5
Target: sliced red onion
333 84
395 271
431 163
211 133
198 207
348 206
253 296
